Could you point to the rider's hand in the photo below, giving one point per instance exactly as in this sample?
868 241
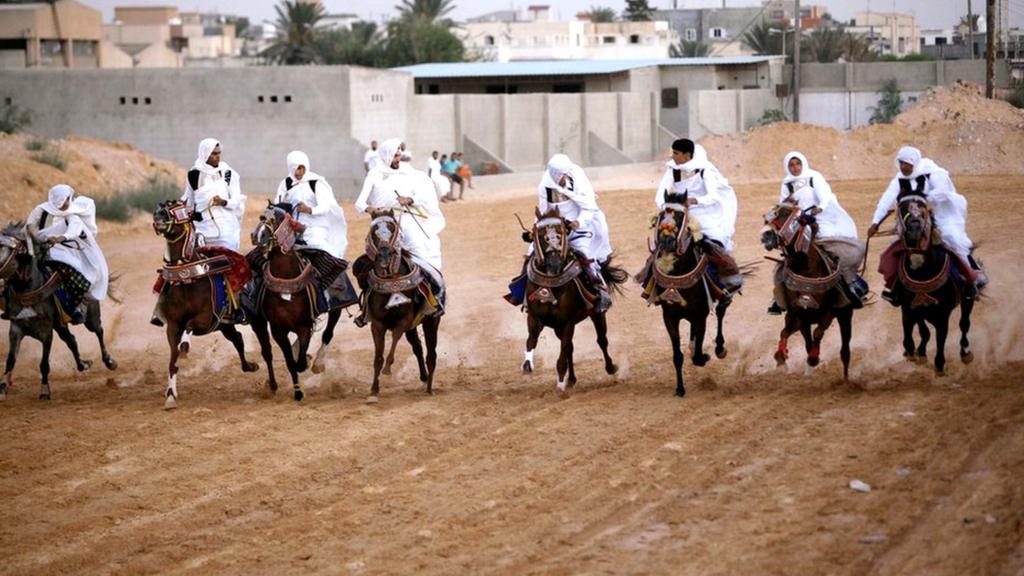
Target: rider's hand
302 208
55 240
872 230
691 201
527 236
574 225
218 201
815 211
405 200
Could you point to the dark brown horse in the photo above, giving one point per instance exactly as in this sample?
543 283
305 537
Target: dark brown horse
31 302
812 283
187 300
287 298
925 288
395 302
676 278
557 298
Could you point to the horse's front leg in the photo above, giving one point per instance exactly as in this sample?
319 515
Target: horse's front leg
325 340
379 334
534 328
565 356
941 323
814 353
280 336
601 327
94 324
235 337
44 365
966 308
430 329
259 326
174 332
64 333
413 337
792 324
672 327
845 317
720 309
908 332
698 328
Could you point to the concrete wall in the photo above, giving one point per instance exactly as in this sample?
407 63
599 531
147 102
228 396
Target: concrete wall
728 111
843 110
912 76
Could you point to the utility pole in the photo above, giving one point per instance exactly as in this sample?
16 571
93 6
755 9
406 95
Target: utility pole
970 27
990 49
796 64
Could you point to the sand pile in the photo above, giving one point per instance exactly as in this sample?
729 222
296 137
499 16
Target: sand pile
956 126
93 167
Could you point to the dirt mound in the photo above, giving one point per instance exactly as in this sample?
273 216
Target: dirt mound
92 167
956 126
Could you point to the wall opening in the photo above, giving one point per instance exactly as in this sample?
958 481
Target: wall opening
670 98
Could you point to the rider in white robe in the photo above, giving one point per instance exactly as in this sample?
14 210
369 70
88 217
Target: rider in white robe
711 202
325 224
837 234
68 223
566 186
212 189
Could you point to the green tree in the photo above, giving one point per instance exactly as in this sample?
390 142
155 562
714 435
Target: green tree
425 10
857 48
764 39
823 45
296 41
638 11
689 49
416 42
361 45
601 14
241 25
889 105
973 21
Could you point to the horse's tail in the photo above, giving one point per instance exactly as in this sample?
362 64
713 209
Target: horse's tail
614 276
749 269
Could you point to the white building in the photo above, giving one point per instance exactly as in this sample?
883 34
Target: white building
507 36
890 33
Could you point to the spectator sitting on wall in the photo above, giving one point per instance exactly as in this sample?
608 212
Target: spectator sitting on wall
372 157
466 174
441 183
451 169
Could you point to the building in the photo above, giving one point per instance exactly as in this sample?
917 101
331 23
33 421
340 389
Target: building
505 37
720 28
65 34
338 21
890 34
783 11
163 37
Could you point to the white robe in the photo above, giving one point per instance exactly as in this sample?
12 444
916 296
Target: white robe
326 228
833 221
81 251
441 184
949 208
221 225
579 205
371 158
422 223
716 206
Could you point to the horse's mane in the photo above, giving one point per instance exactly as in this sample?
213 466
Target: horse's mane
14 229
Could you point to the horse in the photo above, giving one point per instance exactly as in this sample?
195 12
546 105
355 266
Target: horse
812 283
558 299
287 298
187 300
924 289
677 278
395 302
33 307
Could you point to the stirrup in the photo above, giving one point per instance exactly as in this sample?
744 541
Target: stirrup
890 297
775 309
156 321
360 319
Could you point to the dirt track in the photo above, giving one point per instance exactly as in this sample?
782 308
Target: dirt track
497 473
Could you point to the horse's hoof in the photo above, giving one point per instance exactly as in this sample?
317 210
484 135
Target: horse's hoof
298 395
183 350
170 403
611 368
561 386
429 391
701 359
318 368
921 359
110 363
386 371
967 358
721 353
372 399
813 361
527 367
680 392
84 365
272 387
250 367
44 396
940 372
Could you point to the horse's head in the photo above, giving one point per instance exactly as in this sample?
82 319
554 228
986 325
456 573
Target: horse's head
915 222
382 245
276 228
551 240
788 228
12 243
673 233
172 219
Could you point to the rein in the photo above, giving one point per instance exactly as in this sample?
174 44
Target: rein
33 297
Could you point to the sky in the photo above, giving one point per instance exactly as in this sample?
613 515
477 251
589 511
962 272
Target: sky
929 13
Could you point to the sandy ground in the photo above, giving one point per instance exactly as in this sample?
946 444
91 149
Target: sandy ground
496 473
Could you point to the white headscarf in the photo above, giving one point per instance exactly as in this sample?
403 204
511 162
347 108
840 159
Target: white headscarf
206 146
805 175
387 150
558 166
298 158
58 195
921 165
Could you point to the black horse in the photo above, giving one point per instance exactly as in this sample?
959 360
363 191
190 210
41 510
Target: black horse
676 278
33 308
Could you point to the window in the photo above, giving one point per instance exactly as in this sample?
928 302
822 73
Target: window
8 101
670 98
691 34
258 99
567 88
488 40
287 98
433 89
273 99
135 100
148 100
608 39
634 38
718 33
123 100
941 40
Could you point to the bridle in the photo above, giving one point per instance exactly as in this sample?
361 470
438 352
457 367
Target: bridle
385 228
172 215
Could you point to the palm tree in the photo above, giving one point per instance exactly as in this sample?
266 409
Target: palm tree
425 10
689 49
296 40
857 48
601 14
973 21
638 11
823 45
764 39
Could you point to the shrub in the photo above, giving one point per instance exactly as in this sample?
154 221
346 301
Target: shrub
13 119
35 144
1017 97
51 157
772 116
889 105
122 206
